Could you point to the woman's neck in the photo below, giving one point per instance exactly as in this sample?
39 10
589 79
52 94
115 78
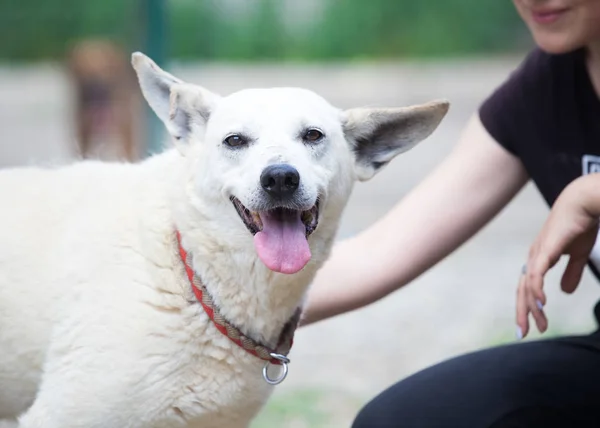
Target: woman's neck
593 64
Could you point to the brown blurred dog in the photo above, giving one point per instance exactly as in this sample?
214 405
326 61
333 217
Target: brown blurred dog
106 101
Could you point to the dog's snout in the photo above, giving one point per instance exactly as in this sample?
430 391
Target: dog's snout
280 181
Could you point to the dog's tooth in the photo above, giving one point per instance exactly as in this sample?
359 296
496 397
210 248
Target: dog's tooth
257 219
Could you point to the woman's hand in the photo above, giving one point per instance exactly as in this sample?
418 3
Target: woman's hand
570 229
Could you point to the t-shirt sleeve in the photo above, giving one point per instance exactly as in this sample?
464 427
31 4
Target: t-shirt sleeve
507 113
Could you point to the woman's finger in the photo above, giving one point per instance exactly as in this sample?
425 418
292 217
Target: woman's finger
572 275
538 265
522 312
536 308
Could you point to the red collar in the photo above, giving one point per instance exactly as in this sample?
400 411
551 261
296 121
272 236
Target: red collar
232 332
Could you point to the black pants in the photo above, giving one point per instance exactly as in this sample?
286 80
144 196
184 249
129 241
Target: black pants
545 383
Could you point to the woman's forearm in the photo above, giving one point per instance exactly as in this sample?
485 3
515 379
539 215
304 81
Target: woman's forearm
589 189
451 205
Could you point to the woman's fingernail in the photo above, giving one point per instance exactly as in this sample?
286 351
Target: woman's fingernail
539 305
519 333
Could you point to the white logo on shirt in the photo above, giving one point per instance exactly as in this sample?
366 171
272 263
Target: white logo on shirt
590 164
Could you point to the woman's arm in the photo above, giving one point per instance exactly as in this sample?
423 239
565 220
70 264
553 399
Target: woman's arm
473 184
571 228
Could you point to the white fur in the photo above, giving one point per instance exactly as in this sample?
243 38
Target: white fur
98 325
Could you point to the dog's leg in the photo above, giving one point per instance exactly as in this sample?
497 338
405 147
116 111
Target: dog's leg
126 128
70 404
73 392
84 132
34 418
90 380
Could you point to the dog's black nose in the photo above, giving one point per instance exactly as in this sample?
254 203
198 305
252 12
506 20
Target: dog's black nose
280 181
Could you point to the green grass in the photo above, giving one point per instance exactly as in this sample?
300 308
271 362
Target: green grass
300 408
308 408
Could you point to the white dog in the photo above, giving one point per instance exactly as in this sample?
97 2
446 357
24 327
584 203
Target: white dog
154 294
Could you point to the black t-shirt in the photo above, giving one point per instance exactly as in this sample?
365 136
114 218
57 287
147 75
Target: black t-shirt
548 114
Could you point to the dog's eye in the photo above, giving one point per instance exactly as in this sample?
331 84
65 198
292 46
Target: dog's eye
235 140
313 135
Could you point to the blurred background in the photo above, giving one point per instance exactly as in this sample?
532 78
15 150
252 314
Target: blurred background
67 91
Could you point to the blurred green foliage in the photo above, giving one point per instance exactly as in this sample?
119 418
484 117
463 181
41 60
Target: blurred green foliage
269 29
43 29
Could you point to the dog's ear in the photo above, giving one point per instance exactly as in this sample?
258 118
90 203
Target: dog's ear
181 106
379 134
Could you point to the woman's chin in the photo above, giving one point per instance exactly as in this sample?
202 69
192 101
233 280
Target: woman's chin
557 43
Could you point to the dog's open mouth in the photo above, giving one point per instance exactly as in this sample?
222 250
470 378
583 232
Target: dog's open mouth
280 235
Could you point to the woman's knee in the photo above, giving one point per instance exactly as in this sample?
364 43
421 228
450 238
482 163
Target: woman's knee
373 415
439 396
403 404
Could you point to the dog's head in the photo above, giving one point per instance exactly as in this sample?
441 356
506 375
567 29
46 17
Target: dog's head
281 160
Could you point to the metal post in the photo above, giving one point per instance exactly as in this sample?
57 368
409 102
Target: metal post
155 46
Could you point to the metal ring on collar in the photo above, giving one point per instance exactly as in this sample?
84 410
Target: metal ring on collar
284 369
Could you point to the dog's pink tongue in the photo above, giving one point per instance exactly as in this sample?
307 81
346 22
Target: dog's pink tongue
282 244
